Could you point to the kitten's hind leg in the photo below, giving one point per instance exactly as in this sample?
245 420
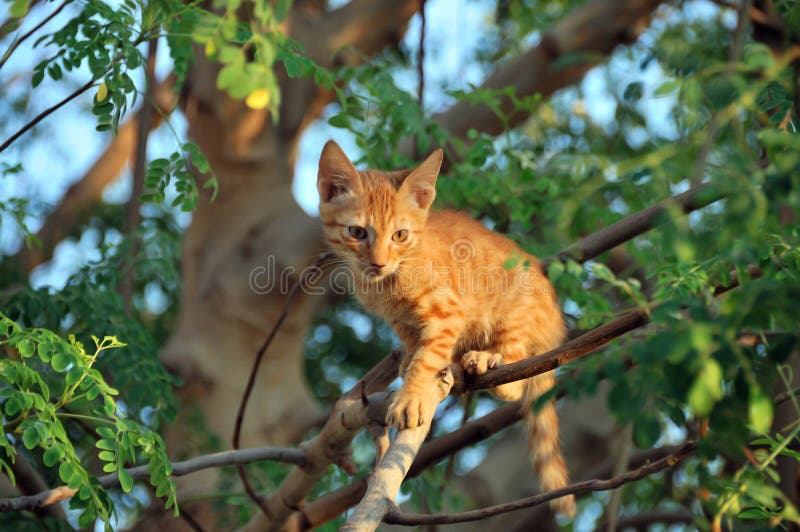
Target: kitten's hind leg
511 350
479 362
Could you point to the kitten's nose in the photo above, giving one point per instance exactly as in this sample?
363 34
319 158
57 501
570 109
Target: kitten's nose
377 266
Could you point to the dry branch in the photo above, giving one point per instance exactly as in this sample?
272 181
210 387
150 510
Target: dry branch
578 488
243 456
638 223
331 445
321 510
384 483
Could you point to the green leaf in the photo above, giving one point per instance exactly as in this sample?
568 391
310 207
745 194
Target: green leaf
707 388
107 456
760 411
754 513
19 8
281 9
106 444
52 455
340 120
511 261
125 481
646 431
65 472
555 270
30 437
86 519
60 362
26 348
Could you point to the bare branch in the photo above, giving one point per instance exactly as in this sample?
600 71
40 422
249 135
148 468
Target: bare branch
578 488
44 114
319 511
364 27
20 40
243 456
29 482
644 520
555 358
331 445
384 483
638 223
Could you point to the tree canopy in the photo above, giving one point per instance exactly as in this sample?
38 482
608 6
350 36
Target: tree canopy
647 151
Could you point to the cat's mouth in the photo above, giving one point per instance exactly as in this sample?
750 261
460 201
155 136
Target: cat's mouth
374 275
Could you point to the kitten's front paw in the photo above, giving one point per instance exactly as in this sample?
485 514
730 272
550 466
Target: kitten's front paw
410 409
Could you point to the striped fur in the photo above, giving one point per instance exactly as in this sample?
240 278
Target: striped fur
452 290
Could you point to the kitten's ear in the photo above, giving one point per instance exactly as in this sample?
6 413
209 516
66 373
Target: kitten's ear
420 184
337 176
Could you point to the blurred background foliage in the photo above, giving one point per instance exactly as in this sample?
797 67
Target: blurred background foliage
698 99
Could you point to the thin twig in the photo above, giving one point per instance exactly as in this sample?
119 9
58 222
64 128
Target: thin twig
242 456
44 114
132 216
248 390
36 28
579 488
420 71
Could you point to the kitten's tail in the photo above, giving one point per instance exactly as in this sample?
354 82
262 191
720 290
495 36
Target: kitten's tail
544 449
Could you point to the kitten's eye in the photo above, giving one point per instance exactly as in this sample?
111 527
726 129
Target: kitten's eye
357 232
400 235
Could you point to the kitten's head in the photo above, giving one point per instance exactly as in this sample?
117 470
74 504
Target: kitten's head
374 219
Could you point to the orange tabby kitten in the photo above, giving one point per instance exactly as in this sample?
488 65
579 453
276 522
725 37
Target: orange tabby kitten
438 278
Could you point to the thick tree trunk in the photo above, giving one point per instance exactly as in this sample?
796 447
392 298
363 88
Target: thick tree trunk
243 251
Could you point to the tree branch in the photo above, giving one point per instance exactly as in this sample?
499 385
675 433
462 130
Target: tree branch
319 511
44 114
579 488
78 202
384 483
331 445
638 223
364 27
17 42
574 349
564 54
243 456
